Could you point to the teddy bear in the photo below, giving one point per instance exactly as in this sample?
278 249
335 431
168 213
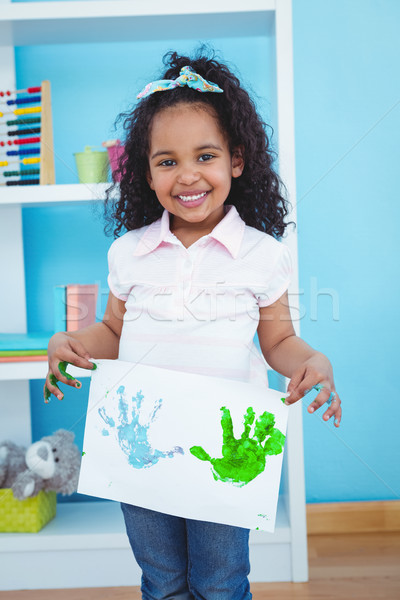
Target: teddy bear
51 464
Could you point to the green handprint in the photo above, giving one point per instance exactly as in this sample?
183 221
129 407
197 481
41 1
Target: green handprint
244 458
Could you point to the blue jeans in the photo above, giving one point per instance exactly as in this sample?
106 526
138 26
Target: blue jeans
184 559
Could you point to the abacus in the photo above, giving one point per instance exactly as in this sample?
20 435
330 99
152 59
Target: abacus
28 126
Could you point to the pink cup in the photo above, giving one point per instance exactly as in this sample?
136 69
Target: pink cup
114 155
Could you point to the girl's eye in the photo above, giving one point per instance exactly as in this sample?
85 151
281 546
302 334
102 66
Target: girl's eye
167 163
205 157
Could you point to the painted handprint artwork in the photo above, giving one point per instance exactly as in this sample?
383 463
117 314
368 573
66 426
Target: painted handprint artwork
243 458
188 445
131 434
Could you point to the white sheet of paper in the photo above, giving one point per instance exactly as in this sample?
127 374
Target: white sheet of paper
142 423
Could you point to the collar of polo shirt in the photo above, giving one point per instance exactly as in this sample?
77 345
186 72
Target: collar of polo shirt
229 232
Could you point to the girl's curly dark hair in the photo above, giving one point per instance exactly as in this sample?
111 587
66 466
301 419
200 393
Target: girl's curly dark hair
256 194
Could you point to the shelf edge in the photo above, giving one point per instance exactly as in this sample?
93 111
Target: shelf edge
86 9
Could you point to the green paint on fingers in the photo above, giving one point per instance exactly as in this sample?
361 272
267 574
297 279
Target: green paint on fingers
47 394
243 459
62 367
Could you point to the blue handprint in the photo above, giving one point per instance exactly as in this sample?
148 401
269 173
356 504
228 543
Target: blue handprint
132 436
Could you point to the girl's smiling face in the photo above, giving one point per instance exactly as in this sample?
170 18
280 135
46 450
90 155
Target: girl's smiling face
191 166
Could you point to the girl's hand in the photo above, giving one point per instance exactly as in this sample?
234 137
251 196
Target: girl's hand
64 349
316 371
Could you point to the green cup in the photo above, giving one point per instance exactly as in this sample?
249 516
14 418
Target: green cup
92 165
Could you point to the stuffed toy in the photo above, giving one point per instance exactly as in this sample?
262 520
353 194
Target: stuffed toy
50 464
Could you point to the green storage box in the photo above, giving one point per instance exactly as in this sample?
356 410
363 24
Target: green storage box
26 516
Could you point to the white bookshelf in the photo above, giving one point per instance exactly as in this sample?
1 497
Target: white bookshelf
20 371
91 534
124 20
50 194
86 543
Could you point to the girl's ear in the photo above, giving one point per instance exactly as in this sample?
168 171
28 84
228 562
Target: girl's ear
149 179
237 161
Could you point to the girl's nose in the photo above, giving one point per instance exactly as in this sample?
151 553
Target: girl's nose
188 175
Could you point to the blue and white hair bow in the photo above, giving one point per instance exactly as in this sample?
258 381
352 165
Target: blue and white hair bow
186 77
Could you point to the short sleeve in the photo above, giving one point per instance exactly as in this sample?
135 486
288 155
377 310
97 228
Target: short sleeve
116 280
277 278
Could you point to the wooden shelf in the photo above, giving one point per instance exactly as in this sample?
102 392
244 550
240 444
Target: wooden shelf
25 24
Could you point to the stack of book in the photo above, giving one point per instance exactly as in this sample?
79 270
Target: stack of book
74 306
21 347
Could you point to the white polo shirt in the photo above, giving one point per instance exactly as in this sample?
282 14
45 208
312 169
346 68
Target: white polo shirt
196 309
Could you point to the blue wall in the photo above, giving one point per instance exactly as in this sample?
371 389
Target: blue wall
346 91
347 109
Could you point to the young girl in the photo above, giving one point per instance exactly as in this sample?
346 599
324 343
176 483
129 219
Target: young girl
198 272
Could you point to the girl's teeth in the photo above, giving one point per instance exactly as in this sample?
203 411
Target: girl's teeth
191 198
